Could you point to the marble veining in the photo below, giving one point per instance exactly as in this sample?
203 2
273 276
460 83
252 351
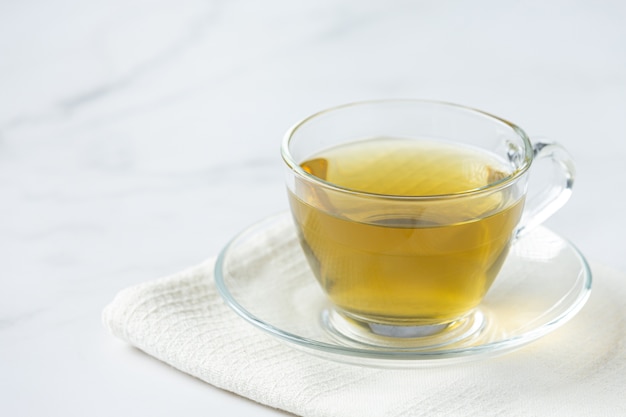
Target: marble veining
137 137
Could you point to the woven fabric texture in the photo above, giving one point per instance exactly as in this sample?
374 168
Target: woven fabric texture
578 370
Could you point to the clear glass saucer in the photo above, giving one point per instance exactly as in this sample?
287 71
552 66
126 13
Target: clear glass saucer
263 275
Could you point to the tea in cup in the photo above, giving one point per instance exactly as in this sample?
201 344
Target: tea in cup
406 209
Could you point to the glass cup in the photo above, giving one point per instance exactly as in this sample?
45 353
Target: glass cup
406 209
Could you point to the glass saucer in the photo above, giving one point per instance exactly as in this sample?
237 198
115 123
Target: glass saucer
262 275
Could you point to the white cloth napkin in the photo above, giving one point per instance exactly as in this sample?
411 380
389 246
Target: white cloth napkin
578 370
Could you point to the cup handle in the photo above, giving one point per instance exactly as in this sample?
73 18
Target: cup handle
546 201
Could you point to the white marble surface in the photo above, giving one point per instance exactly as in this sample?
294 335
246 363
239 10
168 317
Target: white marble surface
136 137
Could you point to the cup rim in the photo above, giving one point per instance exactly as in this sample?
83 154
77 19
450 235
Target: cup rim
494 186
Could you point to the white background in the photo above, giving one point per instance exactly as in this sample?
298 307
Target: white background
137 137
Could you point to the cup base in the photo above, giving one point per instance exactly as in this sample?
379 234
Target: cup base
350 331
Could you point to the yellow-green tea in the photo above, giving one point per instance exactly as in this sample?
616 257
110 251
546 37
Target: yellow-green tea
399 260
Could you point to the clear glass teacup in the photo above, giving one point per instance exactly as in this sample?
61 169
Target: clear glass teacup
406 209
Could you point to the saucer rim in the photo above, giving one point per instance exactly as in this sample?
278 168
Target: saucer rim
398 356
